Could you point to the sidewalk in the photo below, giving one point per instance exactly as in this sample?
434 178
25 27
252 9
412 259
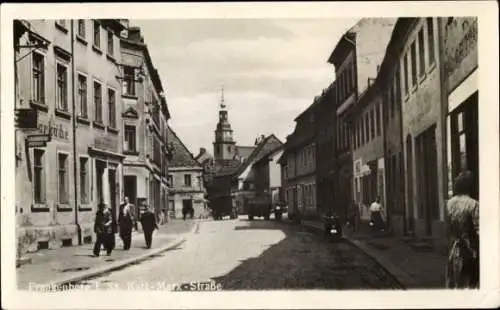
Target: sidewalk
60 265
414 263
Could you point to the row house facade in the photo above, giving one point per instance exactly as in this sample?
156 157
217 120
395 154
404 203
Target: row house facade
299 162
325 136
145 115
356 59
68 131
268 176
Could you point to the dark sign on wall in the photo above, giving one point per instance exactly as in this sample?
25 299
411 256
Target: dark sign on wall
106 143
58 130
460 41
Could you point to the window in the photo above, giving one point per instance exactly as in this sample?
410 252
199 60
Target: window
430 39
84 180
112 108
38 78
390 101
129 138
406 75
39 176
362 125
98 102
110 43
378 119
367 128
397 91
129 81
61 22
413 64
187 180
82 95
62 87
97 34
170 180
81 28
62 167
359 132
421 52
373 120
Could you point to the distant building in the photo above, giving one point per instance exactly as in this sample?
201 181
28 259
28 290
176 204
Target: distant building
300 163
268 176
243 181
185 179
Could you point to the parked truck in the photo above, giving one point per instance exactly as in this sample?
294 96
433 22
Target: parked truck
259 206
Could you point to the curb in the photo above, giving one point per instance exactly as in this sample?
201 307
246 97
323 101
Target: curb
92 273
401 277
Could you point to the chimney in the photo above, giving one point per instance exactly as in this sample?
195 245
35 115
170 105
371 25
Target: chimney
134 34
202 150
378 68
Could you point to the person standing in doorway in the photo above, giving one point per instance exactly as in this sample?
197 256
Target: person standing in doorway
376 214
463 213
103 228
148 223
126 223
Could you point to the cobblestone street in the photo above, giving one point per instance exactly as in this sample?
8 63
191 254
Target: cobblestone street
243 255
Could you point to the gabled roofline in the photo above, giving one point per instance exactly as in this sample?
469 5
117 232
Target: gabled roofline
184 146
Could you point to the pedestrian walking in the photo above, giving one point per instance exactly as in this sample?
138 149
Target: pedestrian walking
376 214
103 228
353 215
148 223
463 230
126 223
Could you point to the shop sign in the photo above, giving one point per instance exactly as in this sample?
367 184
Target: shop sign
106 143
460 39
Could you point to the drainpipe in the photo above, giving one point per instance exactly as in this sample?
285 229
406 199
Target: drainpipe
443 118
79 230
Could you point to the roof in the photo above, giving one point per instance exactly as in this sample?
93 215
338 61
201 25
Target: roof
226 166
182 157
270 143
270 153
244 151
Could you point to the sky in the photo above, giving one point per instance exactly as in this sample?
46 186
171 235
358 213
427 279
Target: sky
271 70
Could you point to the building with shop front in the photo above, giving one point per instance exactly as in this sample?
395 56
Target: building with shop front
460 92
67 106
300 164
145 130
423 129
356 58
185 178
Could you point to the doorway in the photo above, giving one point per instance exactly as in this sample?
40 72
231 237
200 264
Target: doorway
409 183
99 168
130 188
112 192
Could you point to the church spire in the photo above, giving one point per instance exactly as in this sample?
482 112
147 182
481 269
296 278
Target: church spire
222 104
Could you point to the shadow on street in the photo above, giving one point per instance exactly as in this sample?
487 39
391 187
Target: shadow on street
304 260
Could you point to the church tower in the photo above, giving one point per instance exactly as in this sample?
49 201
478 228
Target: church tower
224 146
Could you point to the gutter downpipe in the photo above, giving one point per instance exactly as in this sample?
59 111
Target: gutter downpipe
78 228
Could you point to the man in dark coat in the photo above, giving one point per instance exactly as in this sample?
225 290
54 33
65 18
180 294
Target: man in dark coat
148 223
126 223
103 227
